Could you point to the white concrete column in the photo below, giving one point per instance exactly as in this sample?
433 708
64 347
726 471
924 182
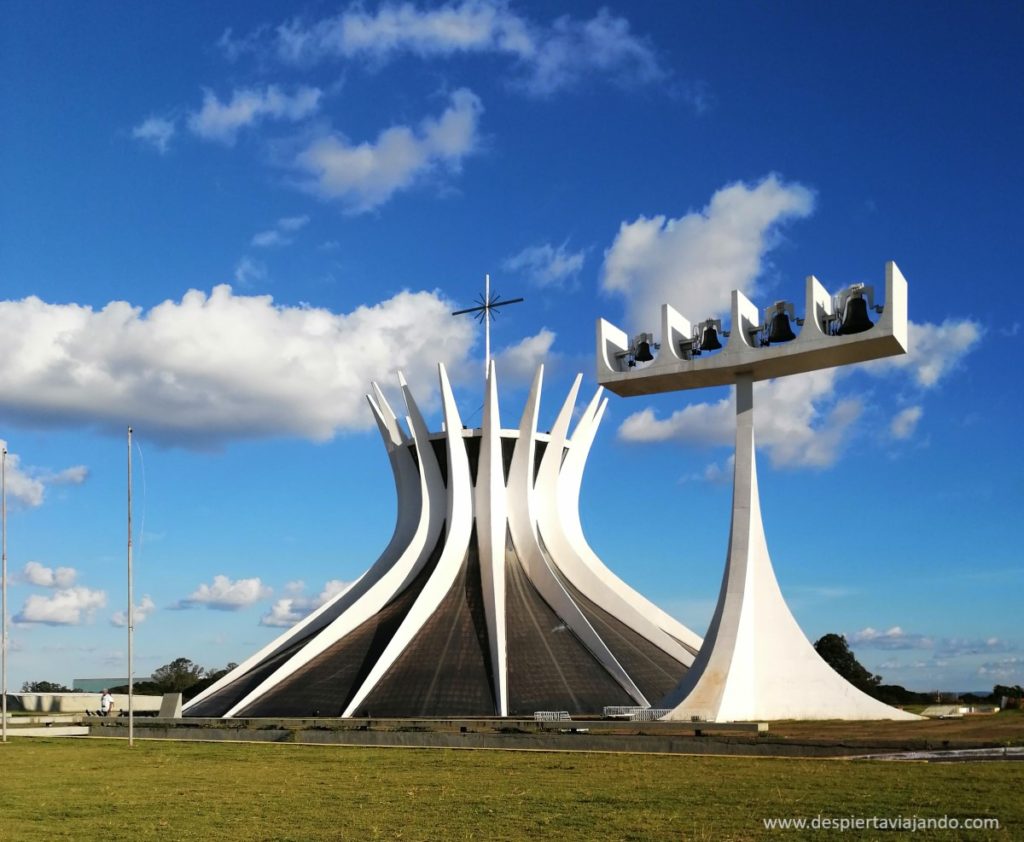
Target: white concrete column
756 663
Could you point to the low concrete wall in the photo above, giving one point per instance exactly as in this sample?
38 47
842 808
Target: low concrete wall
78 702
496 734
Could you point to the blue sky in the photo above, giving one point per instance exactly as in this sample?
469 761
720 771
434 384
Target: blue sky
219 224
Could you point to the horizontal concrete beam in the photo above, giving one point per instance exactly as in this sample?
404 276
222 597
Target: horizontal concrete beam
811 350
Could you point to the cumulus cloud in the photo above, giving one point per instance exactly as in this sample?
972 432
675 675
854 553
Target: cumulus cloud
225 594
27 485
278 235
41 576
221 121
695 261
546 265
365 175
64 607
142 611
288 610
935 351
799 421
904 422
546 57
156 131
519 362
212 368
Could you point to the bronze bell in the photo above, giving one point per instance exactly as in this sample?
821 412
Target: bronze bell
643 352
709 339
855 319
780 330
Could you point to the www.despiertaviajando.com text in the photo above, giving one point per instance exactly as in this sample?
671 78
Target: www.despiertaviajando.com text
842 824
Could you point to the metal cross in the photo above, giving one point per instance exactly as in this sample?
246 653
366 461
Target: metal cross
486 308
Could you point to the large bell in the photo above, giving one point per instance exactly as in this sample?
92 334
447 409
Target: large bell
780 330
855 319
709 339
643 352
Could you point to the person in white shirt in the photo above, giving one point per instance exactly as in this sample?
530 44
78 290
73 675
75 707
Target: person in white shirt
106 703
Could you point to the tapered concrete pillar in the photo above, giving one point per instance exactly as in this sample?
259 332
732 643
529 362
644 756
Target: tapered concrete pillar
756 663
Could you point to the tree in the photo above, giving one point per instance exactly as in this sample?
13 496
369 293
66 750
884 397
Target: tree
44 687
177 676
834 649
211 677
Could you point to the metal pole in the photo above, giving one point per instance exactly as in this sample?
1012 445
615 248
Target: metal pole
131 603
487 327
485 312
3 576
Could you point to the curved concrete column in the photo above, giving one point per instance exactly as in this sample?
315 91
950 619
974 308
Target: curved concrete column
522 517
410 505
453 556
560 478
362 601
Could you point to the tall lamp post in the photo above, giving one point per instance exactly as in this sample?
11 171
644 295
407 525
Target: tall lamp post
755 662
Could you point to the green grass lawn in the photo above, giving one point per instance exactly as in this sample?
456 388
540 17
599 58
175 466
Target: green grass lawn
103 790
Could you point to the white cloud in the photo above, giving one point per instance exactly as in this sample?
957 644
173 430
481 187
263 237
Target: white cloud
366 175
142 611
249 271
1003 669
75 475
226 595
546 265
41 576
265 239
64 607
27 486
293 223
893 638
935 351
278 236
714 473
695 261
573 50
519 362
547 58
288 610
799 422
904 422
221 121
216 367
156 131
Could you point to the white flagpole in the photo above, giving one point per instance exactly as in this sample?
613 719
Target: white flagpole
131 603
3 575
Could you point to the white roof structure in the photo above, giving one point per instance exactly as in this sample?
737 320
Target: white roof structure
488 600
